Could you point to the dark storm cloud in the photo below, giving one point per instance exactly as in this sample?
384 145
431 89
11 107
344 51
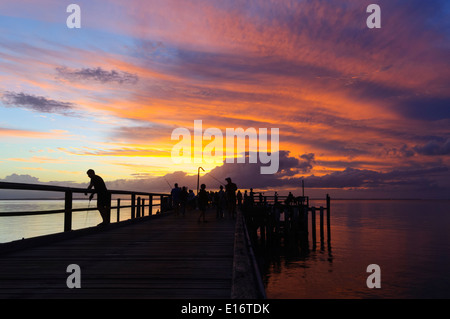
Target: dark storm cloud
434 147
351 177
426 108
247 175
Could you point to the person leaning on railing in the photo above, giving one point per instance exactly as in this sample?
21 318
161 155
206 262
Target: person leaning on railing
103 197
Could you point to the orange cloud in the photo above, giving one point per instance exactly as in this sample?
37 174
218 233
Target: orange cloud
17 133
39 159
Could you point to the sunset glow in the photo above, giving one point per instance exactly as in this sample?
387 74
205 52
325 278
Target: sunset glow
361 112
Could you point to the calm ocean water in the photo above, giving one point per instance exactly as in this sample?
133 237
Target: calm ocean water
409 240
15 228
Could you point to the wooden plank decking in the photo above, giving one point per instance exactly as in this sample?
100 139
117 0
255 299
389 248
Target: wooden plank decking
165 258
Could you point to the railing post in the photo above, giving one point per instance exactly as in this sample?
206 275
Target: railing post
109 207
150 204
118 209
161 205
133 206
138 212
68 211
143 207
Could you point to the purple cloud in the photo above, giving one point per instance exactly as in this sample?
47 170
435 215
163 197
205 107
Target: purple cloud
36 103
97 74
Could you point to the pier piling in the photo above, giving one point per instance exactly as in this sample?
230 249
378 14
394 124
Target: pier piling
328 218
321 224
313 225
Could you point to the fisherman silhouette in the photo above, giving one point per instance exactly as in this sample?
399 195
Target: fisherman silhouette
103 197
220 202
239 198
230 190
202 202
176 198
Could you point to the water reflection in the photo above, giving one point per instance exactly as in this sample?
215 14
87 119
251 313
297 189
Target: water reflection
407 239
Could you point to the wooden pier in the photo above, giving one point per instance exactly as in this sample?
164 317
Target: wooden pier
162 256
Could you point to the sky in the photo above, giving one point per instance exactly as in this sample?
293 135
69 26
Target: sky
361 113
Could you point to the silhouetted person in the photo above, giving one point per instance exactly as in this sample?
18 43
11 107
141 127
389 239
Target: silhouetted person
183 199
220 202
176 198
246 198
230 190
239 198
289 199
252 197
103 197
191 200
202 202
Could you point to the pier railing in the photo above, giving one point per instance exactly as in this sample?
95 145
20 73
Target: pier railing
138 201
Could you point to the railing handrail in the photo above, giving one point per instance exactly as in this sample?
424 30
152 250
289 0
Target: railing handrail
54 188
68 199
62 210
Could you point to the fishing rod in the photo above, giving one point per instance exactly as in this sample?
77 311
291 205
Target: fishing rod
215 178
167 182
